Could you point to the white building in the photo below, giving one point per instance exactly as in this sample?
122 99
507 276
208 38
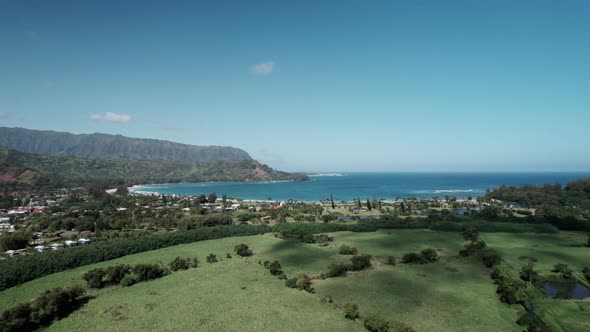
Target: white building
71 243
83 241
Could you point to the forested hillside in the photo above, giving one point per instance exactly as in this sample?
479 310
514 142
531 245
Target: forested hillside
108 146
58 171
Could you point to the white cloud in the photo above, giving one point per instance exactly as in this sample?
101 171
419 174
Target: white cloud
264 68
111 117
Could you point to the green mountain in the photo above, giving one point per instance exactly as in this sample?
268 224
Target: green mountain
109 146
59 171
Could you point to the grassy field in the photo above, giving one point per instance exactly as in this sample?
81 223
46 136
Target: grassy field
548 250
396 243
453 294
232 295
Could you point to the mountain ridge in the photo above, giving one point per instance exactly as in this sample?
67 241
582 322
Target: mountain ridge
21 168
100 145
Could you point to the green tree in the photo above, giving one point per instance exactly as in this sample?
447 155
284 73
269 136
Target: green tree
334 205
212 198
368 205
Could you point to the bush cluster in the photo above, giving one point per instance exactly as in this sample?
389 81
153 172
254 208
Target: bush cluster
510 289
212 258
351 311
275 269
563 270
424 257
490 258
340 269
346 250
321 239
377 324
28 267
103 277
302 282
586 272
50 305
181 263
243 250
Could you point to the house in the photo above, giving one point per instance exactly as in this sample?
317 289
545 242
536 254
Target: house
265 218
71 243
83 241
41 248
14 253
56 246
235 206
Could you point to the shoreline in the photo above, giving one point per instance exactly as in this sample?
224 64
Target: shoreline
136 189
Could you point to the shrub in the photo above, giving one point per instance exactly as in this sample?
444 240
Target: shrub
275 268
490 258
473 248
319 239
360 262
180 263
51 305
94 278
336 270
346 250
563 269
430 254
115 273
389 260
145 272
351 311
586 272
291 283
102 277
228 255
129 280
243 250
212 258
303 282
195 262
412 257
376 324
528 273
470 234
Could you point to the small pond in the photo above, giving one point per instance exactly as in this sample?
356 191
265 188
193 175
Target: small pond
566 290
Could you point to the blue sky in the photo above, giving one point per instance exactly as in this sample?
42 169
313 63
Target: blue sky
319 85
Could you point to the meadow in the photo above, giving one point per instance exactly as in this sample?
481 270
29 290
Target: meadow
452 294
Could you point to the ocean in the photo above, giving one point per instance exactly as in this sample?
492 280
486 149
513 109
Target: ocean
347 186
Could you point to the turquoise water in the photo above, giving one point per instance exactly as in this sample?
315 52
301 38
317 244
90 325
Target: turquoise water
347 186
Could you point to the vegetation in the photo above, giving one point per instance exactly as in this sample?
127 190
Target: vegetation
243 250
21 269
68 171
180 263
351 311
346 250
49 306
